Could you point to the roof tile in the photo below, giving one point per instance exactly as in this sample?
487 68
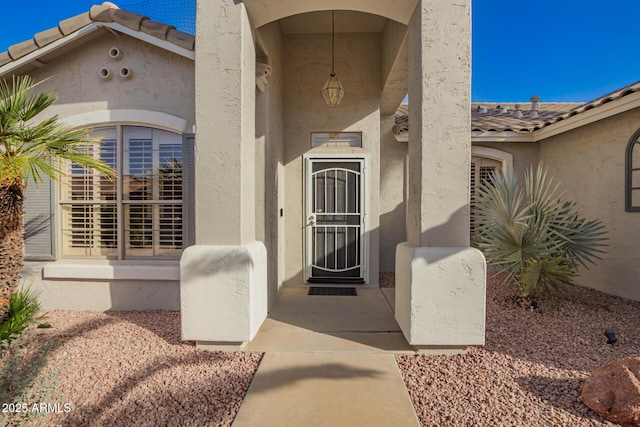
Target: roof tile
493 119
181 39
156 29
73 24
21 49
106 12
43 38
496 120
4 58
128 19
102 12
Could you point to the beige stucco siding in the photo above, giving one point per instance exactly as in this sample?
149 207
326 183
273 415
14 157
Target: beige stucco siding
307 66
393 156
589 163
162 81
269 158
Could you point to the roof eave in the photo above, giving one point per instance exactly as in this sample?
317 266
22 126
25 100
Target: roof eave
38 53
166 45
600 112
95 26
505 136
490 136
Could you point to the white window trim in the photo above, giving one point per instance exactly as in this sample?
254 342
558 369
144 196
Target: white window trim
95 269
491 153
129 117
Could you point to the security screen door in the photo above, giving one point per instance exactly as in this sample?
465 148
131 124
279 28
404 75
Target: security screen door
335 218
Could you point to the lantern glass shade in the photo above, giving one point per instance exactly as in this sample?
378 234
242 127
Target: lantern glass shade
332 92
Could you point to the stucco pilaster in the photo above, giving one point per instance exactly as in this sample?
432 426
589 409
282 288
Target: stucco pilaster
225 125
439 116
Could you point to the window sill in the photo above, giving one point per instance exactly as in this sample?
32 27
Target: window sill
112 270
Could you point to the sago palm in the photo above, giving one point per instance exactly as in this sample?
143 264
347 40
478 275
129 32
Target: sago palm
29 148
531 234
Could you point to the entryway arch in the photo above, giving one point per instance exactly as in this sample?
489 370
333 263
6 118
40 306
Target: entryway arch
263 12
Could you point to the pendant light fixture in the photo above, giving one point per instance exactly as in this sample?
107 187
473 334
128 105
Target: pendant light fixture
332 91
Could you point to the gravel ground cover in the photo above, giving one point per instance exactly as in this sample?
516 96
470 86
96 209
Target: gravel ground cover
130 368
120 369
530 372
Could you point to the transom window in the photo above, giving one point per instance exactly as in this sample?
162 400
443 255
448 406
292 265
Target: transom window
632 177
137 215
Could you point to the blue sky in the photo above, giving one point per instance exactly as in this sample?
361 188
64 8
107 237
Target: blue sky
562 50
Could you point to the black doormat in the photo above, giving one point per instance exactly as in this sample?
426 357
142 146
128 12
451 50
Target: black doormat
332 291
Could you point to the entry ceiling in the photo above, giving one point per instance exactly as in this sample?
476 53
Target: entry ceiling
347 21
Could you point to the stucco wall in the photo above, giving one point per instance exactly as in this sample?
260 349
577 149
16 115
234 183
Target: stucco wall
393 155
393 181
269 158
589 164
162 81
307 66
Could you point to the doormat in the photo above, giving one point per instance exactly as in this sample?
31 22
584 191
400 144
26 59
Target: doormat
332 291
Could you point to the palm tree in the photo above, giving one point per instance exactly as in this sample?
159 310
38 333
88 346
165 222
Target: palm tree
29 148
531 234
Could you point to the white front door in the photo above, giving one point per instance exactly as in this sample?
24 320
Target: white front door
335 221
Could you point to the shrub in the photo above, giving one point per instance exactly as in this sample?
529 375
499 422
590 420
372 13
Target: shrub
531 234
23 311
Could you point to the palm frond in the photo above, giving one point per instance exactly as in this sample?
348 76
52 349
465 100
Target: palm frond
34 148
533 235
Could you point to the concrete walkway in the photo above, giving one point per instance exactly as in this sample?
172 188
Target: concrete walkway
329 361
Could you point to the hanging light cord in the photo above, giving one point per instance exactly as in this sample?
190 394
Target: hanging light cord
333 42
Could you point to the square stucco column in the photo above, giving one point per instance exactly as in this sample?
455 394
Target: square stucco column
225 264
437 220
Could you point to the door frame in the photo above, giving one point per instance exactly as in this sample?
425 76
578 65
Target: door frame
363 159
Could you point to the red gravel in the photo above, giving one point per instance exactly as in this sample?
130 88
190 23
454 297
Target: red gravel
123 369
530 372
130 368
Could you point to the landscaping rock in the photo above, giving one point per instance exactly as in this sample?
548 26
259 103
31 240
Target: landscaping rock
613 391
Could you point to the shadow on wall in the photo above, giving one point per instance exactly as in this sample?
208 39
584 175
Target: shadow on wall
392 233
36 225
443 232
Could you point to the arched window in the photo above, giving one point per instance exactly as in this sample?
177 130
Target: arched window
484 161
140 213
632 174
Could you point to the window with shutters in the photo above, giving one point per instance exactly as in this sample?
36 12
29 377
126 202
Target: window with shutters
481 170
137 215
632 177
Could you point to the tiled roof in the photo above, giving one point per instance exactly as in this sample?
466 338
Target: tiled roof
106 12
501 117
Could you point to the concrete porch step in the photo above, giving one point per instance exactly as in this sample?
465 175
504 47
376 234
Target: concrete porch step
279 336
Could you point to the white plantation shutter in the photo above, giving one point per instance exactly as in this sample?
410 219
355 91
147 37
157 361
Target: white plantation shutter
39 221
188 189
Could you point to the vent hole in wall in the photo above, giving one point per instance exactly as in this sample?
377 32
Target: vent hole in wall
126 73
105 74
115 53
